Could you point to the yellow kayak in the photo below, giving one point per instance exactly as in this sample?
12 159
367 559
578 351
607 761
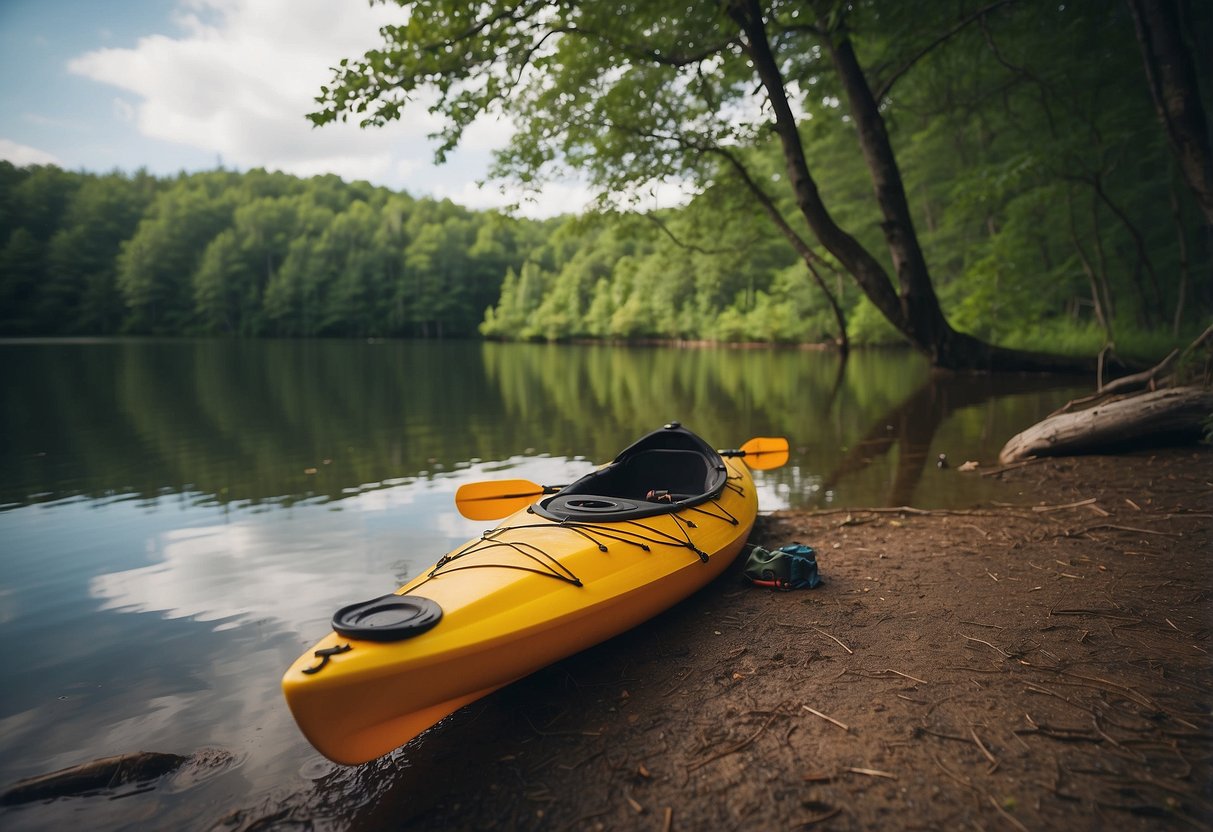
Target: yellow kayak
583 564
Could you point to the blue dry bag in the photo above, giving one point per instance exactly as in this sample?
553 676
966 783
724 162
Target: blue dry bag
789 567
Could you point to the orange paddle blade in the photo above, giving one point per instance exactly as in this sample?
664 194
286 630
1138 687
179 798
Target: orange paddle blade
763 453
498 498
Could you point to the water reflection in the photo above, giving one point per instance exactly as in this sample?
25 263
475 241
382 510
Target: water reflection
281 422
254 422
994 405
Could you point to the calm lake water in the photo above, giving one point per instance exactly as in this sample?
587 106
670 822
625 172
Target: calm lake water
179 519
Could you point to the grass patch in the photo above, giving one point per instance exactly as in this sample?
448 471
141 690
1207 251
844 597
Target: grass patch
1133 345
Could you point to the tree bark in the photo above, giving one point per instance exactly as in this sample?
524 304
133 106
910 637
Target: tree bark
1171 77
919 303
1181 242
1175 413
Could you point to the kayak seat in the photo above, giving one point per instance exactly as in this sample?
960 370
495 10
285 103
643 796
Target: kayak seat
676 472
664 472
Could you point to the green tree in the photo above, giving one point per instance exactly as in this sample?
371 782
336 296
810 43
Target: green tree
21 267
634 95
157 264
223 283
293 294
79 292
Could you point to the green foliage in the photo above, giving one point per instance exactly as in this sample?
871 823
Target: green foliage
243 254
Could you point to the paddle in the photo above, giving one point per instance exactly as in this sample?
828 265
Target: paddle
762 453
495 499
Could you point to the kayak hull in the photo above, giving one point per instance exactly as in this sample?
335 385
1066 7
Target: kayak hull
528 593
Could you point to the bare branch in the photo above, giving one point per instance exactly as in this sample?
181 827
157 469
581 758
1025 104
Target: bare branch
665 229
882 90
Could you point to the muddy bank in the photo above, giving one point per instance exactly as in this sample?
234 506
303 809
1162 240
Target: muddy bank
1042 663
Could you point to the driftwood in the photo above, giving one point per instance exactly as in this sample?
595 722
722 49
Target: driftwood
1178 412
1150 379
94 776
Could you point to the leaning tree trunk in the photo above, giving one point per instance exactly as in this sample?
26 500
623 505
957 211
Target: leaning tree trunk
868 273
919 303
914 309
1173 85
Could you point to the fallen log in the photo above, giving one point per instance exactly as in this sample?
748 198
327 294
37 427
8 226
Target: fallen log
1171 414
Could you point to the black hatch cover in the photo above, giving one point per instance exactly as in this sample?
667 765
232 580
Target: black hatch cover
390 618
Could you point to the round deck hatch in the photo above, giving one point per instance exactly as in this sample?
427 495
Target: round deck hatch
390 618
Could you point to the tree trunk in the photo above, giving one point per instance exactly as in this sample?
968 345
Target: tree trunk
1101 296
867 272
1182 249
1175 413
1171 77
919 305
913 310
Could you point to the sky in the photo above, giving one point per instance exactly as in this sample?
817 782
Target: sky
172 85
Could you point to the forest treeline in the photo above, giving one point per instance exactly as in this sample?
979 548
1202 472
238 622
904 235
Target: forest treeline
1042 188
252 253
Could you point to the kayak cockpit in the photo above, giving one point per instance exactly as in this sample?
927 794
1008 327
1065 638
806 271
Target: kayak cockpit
665 471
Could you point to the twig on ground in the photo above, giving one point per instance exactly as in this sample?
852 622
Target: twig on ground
1004 653
840 644
906 676
544 733
952 775
679 681
1079 504
993 472
1096 612
826 718
981 746
1134 529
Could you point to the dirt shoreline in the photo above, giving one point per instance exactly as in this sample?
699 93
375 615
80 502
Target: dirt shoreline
1039 665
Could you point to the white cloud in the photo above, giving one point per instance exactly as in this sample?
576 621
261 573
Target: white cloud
20 154
239 78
